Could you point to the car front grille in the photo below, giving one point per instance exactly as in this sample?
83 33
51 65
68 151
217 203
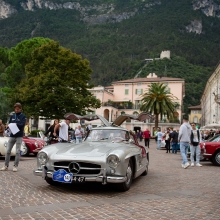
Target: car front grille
78 168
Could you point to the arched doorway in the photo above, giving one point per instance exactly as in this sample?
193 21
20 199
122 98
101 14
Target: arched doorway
106 114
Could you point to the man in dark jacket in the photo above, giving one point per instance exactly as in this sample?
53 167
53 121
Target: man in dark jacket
19 119
174 141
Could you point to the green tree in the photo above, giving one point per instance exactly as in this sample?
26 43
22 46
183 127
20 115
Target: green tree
158 101
5 106
56 83
4 63
18 57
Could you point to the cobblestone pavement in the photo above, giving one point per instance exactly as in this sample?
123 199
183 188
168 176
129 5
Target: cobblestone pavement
167 192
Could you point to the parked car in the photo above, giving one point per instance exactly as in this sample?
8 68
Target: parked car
31 144
3 145
109 154
210 149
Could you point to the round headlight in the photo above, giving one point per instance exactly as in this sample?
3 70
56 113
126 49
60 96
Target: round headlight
113 161
36 144
42 158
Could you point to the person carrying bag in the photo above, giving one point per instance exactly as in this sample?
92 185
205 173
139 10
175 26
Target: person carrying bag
195 139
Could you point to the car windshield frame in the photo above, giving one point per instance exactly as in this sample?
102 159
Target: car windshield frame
107 135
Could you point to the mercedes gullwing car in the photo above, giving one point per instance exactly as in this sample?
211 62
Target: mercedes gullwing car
108 154
3 147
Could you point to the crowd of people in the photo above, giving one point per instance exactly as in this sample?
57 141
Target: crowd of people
187 138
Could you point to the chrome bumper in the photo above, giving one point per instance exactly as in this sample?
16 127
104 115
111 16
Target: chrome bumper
102 178
205 154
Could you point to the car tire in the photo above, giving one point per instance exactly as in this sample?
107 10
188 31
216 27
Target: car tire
26 152
129 173
51 182
216 159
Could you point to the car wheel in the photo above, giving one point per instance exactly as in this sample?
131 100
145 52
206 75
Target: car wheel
129 174
26 151
51 182
216 158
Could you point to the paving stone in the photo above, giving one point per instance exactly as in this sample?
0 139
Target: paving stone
159 195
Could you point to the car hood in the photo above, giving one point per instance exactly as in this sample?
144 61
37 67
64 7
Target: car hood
88 149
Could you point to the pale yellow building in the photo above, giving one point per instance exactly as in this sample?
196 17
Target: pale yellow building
195 114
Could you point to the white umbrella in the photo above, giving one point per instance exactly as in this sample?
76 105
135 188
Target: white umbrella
213 126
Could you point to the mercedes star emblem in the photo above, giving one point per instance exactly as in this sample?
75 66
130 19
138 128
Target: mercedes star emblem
74 168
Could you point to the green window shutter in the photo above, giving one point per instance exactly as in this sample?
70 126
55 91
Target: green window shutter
141 91
126 91
136 91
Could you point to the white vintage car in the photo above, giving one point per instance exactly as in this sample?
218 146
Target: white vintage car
3 146
109 154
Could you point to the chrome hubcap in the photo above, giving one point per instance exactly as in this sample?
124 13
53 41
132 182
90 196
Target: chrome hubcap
25 149
217 157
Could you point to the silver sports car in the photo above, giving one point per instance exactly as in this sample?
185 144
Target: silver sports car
108 154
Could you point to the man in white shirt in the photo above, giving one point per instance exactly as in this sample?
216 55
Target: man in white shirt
79 132
63 130
90 126
159 138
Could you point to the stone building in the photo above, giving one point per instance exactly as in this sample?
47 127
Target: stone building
210 101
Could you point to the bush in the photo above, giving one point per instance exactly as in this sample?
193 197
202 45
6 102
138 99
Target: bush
35 132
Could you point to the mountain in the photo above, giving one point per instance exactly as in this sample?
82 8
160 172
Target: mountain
116 36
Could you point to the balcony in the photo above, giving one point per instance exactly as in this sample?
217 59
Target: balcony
122 105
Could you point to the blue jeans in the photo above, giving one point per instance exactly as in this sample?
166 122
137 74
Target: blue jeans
183 150
174 147
193 150
11 142
158 144
78 140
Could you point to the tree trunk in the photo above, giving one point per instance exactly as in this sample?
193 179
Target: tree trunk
156 120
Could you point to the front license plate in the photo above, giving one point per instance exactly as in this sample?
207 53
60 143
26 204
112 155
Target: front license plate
78 179
62 176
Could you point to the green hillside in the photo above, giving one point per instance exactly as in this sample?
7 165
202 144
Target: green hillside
116 50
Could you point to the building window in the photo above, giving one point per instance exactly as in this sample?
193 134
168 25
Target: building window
137 104
139 91
126 91
135 113
139 84
195 119
126 85
122 113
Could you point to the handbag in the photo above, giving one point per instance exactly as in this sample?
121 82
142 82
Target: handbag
195 143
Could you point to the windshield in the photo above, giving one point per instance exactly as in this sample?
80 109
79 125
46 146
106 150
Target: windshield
214 139
108 135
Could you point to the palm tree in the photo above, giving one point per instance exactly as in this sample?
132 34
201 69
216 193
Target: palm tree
158 101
